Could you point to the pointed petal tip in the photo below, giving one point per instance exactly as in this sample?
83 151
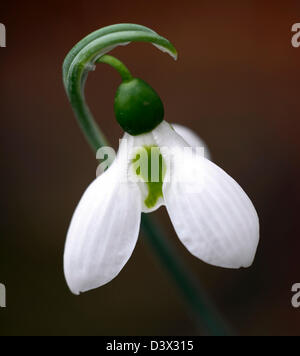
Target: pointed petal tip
72 284
74 291
243 257
83 282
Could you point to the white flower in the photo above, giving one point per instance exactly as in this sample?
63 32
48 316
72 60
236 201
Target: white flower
211 214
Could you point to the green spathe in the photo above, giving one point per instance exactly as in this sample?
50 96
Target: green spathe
150 166
138 108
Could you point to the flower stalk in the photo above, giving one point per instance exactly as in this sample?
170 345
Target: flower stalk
81 59
118 65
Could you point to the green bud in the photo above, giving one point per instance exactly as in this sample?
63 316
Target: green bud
138 108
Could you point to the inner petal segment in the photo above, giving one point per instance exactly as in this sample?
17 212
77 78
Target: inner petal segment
148 164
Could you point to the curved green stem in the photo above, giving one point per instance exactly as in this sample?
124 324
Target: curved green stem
93 36
118 65
80 60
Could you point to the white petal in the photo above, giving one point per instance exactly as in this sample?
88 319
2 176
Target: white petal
103 231
192 138
165 136
212 215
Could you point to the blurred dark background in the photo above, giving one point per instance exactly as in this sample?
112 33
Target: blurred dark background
236 83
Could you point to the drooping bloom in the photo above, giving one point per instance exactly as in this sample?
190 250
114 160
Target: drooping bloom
211 214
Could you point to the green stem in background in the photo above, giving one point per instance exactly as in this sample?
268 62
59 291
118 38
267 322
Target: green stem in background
80 60
202 310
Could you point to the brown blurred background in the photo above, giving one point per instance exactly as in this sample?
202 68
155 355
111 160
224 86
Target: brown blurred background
236 83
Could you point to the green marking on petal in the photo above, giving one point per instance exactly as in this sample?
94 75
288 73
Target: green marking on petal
149 165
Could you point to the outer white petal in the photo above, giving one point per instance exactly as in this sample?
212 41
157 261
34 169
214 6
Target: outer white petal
103 231
192 138
212 215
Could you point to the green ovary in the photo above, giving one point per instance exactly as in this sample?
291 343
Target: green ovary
149 165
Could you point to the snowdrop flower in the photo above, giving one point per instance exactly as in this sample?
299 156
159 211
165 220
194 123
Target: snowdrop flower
211 214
